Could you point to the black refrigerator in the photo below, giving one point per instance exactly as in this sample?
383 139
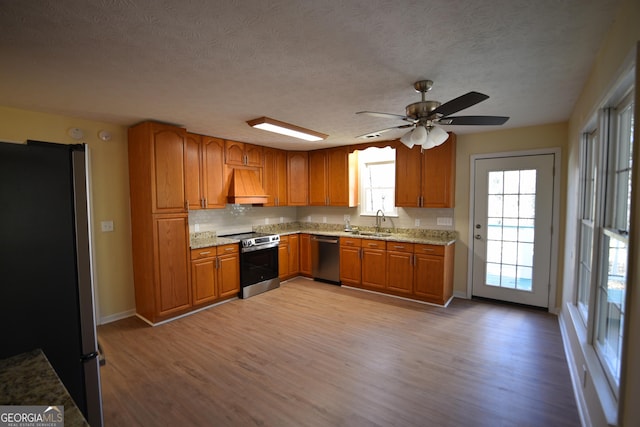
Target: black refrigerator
46 288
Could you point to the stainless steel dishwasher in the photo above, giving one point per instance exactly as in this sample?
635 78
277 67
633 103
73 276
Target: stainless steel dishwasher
325 258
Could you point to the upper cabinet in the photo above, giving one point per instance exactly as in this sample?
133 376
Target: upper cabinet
157 162
204 174
435 171
243 154
274 177
298 178
333 177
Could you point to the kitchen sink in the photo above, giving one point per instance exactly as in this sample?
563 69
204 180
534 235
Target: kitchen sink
368 233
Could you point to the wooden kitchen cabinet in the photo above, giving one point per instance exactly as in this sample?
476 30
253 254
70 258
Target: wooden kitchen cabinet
170 288
204 266
333 177
350 261
433 273
275 176
228 270
204 174
243 154
157 164
374 264
215 273
305 254
400 267
288 256
297 178
426 178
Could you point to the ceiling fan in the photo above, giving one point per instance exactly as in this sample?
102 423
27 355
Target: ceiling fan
424 115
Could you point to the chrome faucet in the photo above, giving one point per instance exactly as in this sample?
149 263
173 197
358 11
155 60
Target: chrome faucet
378 219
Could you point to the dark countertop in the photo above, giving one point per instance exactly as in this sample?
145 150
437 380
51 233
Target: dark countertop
29 379
420 236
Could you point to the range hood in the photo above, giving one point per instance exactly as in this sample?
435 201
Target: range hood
245 188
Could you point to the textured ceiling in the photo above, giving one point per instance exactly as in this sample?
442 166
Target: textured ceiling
212 65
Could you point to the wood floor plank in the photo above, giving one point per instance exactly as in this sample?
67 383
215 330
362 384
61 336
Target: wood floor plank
313 354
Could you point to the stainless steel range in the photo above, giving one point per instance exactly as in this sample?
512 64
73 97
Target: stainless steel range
258 262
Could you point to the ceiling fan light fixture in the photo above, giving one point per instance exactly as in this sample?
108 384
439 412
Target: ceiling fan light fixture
419 135
283 128
407 139
438 135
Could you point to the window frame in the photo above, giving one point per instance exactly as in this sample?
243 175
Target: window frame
391 159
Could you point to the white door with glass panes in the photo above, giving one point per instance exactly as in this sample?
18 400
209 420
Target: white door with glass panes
512 228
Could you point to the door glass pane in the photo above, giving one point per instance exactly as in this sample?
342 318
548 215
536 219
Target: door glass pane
510 234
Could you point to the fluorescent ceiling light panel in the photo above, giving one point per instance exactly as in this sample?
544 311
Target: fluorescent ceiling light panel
272 125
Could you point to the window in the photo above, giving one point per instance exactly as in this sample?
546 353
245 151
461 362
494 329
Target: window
378 180
605 170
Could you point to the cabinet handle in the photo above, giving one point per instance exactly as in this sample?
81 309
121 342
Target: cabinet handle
217 263
205 253
186 204
360 253
228 249
398 247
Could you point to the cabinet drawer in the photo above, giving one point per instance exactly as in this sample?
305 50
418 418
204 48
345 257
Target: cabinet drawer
350 241
400 247
201 253
227 249
284 239
429 249
374 244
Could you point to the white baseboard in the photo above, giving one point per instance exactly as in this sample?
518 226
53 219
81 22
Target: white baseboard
117 316
459 294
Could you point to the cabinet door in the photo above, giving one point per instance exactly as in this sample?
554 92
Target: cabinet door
400 272
193 173
294 254
338 177
228 275
374 267
283 260
350 265
298 178
168 169
253 155
274 176
429 277
408 174
318 178
213 174
171 238
234 153
439 174
203 280
305 254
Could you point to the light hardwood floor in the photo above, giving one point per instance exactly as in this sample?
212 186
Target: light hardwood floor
314 354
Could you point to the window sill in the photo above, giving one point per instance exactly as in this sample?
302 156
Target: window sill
596 374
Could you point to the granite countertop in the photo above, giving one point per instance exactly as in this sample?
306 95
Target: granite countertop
410 235
29 379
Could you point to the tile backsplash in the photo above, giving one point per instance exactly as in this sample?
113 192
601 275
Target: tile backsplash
238 218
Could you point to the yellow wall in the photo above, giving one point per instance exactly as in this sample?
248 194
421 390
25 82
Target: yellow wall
109 193
508 140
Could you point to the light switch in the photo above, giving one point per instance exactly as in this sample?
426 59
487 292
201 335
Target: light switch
107 226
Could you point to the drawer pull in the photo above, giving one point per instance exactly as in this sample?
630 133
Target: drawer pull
229 249
205 253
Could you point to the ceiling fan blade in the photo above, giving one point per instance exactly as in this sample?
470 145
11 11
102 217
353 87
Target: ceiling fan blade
474 120
460 103
378 132
383 115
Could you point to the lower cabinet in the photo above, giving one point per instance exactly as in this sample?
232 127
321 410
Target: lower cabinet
289 256
215 273
417 271
400 267
350 261
374 265
305 254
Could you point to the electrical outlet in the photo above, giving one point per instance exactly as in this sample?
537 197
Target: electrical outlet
324 219
444 221
196 227
417 222
281 219
266 221
107 226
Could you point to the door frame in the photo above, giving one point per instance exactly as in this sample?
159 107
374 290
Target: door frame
553 267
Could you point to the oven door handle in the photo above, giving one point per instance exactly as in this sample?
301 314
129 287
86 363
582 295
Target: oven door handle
260 247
